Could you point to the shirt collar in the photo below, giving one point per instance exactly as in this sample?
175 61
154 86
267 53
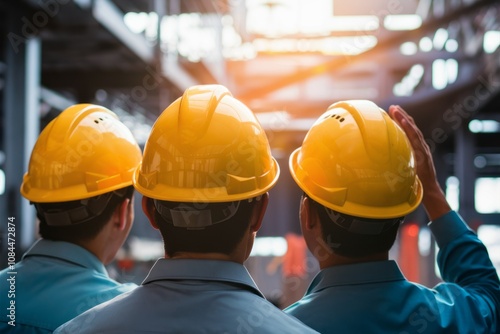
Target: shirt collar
202 270
352 274
68 252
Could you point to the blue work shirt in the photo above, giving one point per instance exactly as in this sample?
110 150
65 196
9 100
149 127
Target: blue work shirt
375 297
54 282
189 296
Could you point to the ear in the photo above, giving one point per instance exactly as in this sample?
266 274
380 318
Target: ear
307 214
148 207
258 213
123 213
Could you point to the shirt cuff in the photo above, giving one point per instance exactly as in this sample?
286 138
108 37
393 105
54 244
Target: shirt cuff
448 227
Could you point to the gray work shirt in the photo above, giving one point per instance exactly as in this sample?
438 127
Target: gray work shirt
189 296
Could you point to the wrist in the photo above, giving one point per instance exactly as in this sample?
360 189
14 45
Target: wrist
435 202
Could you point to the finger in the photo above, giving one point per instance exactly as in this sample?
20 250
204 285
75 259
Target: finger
400 114
411 130
403 119
397 115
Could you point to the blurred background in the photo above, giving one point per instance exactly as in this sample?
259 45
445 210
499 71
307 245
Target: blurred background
288 61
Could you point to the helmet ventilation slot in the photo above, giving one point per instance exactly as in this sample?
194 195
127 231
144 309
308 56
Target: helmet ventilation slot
340 118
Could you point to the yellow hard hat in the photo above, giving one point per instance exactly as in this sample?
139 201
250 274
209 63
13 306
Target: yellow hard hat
356 160
84 152
206 147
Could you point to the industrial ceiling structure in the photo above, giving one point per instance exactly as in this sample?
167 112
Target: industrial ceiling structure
287 60
87 47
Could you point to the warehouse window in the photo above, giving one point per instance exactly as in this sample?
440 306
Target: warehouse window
453 192
269 246
490 236
2 182
487 193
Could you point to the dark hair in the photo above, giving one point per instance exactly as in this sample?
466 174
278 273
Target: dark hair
221 237
349 244
78 232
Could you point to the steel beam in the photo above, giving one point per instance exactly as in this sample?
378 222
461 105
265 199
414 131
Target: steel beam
21 122
338 62
465 171
109 16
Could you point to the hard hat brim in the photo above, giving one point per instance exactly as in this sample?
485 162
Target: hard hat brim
220 194
306 183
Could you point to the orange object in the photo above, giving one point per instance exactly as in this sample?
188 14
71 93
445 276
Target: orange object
409 257
294 261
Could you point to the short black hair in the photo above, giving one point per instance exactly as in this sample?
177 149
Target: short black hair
353 245
78 232
221 237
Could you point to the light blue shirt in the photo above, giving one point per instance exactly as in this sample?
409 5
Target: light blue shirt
375 297
189 296
54 282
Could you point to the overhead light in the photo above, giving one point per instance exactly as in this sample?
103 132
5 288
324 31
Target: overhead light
451 45
451 70
399 90
484 126
416 72
345 45
402 22
136 22
408 48
425 44
440 38
491 41
439 75
409 81
353 23
275 19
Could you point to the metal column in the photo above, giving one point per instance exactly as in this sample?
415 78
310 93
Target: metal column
465 170
21 127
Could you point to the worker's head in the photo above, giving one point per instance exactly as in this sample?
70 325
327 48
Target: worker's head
206 171
80 175
357 171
